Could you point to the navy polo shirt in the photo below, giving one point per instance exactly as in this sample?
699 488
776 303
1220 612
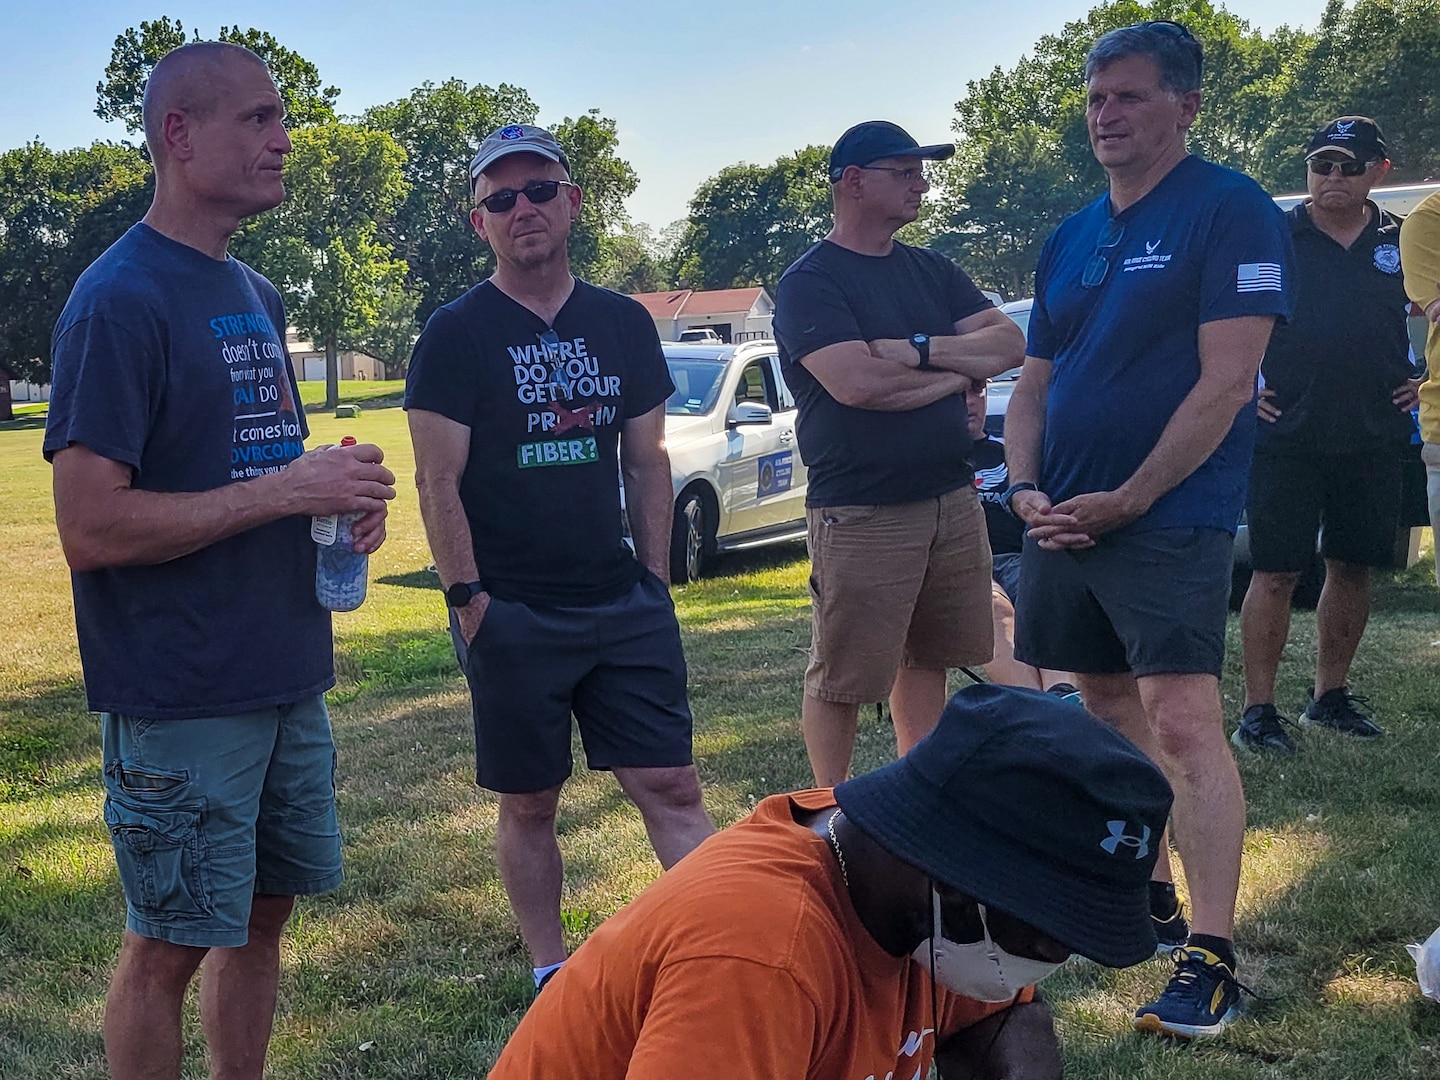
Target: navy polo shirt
1205 244
1335 365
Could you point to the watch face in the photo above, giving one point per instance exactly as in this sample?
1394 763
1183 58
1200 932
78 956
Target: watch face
458 595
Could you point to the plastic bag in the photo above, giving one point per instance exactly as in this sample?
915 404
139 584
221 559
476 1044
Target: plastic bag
1427 965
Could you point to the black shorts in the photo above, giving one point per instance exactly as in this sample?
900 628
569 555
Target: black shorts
1351 500
1148 603
617 667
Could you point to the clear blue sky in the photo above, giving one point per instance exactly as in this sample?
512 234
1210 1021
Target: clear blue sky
692 87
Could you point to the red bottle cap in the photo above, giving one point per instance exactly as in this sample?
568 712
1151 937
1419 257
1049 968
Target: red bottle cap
348 440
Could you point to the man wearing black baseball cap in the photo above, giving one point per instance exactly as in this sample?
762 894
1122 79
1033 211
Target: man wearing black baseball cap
800 942
1338 390
880 340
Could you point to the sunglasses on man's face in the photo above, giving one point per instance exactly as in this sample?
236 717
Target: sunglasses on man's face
1323 167
537 192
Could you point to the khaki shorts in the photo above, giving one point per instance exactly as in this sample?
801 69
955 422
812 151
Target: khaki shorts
890 585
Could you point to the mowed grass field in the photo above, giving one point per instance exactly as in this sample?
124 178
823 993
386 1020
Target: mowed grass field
413 968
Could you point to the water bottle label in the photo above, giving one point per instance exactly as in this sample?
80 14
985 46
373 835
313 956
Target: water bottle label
323 530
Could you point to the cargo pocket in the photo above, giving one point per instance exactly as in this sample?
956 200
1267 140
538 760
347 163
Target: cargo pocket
159 848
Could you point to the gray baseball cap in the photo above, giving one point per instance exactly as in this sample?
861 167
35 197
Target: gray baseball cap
515 139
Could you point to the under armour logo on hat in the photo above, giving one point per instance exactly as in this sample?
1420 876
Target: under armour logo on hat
1118 837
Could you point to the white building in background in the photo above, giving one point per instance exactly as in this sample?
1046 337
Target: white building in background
734 314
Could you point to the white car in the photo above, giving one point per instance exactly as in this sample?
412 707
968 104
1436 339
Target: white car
730 429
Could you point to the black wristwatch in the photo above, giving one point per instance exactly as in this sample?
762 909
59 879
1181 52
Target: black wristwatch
462 592
922 346
1015 489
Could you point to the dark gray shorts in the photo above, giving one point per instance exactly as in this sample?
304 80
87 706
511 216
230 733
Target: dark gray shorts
617 667
1005 572
1149 603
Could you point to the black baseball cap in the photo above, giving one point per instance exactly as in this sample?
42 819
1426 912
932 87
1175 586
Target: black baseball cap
1356 137
1028 804
876 139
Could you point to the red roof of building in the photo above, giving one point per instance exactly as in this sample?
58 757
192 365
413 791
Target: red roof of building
662 305
678 302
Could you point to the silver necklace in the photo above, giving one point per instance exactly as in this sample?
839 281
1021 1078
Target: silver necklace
835 843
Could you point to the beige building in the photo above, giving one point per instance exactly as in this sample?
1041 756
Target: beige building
309 361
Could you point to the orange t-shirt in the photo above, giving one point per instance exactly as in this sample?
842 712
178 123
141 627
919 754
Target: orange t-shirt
746 961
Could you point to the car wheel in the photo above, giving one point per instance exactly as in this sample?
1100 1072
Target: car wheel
692 541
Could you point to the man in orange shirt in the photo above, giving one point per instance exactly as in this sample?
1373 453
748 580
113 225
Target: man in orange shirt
799 943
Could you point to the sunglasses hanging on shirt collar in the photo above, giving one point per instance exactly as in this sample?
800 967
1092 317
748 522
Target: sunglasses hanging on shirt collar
1098 268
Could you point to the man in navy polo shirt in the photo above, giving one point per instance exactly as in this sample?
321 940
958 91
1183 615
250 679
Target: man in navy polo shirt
1336 401
1129 441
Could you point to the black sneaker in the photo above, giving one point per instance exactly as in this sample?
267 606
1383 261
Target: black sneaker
1339 710
1171 931
1202 998
1262 731
1066 692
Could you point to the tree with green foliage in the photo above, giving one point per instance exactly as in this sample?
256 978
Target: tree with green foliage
58 211
440 127
748 223
121 93
1379 58
590 143
631 261
391 336
322 246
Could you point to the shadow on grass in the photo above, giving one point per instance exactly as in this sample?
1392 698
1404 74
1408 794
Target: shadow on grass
32 422
416 579
46 726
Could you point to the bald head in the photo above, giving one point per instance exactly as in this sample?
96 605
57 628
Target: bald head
193 80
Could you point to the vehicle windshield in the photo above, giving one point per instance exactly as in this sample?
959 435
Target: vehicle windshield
697 383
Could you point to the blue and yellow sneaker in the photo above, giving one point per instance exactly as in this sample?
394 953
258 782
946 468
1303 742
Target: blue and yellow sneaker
1203 997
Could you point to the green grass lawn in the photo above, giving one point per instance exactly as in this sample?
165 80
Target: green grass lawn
413 968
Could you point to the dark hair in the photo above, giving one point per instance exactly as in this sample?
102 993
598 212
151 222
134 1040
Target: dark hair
1175 50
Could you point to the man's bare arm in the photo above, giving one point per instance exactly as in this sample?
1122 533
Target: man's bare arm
1024 447
645 464
442 448
1230 352
855 376
1018 1043
983 345
104 521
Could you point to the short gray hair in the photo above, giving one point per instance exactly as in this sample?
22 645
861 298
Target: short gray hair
1176 52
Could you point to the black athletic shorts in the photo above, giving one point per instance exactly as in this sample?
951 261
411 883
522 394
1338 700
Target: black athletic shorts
1351 500
1148 603
617 667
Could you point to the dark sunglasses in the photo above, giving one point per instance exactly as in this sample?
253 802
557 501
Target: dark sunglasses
1099 265
537 192
1322 167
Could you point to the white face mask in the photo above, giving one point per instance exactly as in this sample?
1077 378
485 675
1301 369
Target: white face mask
980 970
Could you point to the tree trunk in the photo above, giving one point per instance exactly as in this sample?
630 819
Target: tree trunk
332 373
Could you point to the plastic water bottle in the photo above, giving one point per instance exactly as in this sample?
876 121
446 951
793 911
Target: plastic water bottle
341 572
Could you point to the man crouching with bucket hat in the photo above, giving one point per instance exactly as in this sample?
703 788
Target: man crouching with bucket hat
799 942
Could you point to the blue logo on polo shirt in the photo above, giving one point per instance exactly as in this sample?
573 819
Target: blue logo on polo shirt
1387 258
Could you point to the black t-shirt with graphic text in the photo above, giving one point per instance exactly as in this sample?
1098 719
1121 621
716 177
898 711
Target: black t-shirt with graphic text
1336 363
174 364
864 456
992 480
541 488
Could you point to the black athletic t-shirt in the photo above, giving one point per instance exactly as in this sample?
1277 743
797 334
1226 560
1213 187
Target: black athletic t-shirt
992 479
1336 363
541 489
863 456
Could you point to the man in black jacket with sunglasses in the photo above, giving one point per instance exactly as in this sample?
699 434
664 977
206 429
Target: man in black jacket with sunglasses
519 394
1337 391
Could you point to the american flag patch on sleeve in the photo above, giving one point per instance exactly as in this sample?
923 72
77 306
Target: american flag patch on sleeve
1258 277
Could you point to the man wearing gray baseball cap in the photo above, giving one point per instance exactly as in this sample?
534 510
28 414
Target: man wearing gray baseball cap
523 396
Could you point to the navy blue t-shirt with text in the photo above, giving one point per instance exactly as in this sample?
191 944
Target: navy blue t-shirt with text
1205 244
174 364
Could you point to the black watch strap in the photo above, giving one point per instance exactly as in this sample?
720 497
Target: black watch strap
922 346
462 592
1015 489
